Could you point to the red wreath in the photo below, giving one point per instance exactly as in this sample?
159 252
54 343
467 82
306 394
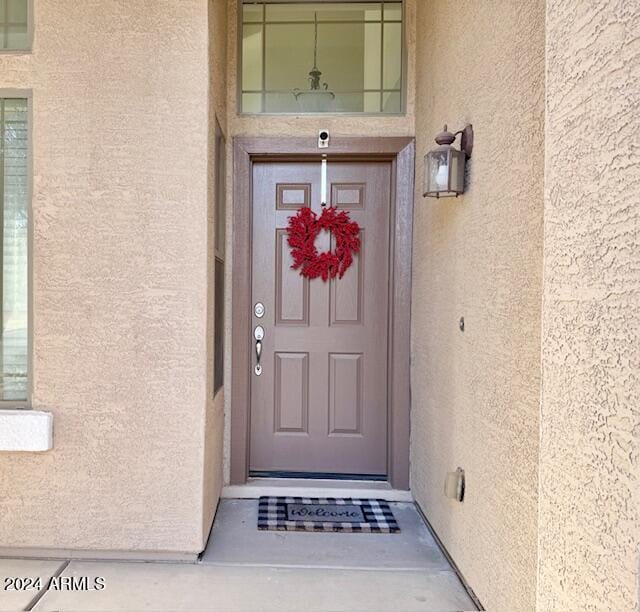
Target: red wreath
302 232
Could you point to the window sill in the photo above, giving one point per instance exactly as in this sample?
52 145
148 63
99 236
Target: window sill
26 431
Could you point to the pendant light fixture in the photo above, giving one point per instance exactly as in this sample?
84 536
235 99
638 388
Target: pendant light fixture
318 98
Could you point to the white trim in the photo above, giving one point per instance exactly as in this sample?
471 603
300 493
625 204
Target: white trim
26 430
301 487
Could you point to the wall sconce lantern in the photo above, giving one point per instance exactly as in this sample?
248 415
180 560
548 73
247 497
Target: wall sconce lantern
444 165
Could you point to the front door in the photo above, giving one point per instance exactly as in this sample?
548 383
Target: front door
320 403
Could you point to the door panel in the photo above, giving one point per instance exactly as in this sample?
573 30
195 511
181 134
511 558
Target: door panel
320 404
346 295
292 289
345 394
291 393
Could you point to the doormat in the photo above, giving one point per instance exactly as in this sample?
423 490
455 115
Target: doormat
326 514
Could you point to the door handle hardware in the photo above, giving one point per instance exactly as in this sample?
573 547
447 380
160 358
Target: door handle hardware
258 368
258 334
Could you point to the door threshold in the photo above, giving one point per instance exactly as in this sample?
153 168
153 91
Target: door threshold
313 487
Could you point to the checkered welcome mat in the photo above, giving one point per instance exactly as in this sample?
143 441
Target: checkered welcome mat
326 514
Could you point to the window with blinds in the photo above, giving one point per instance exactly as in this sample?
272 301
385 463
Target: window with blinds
14 190
14 24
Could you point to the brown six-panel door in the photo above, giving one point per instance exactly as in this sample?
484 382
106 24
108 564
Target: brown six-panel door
320 403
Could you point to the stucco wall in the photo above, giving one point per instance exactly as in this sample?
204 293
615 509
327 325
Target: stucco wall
590 434
476 394
120 93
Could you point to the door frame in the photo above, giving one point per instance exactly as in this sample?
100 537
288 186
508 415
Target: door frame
400 151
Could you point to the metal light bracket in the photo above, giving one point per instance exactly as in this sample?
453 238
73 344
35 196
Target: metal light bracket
466 139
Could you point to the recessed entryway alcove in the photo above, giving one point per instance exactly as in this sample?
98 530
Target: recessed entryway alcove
347 338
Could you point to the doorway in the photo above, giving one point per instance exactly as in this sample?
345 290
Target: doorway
331 396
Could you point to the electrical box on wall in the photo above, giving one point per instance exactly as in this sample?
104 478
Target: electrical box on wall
454 485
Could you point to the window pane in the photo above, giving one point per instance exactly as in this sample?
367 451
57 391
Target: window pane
373 12
14 198
17 11
392 56
252 12
341 56
218 280
285 68
289 12
356 55
349 102
349 12
391 102
218 326
392 11
372 102
372 55
17 37
252 103
280 103
252 57
220 191
335 11
13 24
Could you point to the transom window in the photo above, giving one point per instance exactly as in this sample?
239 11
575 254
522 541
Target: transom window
14 24
322 57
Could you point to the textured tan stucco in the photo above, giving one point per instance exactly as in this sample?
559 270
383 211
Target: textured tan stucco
589 520
124 97
120 121
476 394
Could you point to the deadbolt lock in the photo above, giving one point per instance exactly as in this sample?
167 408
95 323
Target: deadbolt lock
258 310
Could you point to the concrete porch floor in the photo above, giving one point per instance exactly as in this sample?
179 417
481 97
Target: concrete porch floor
246 570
